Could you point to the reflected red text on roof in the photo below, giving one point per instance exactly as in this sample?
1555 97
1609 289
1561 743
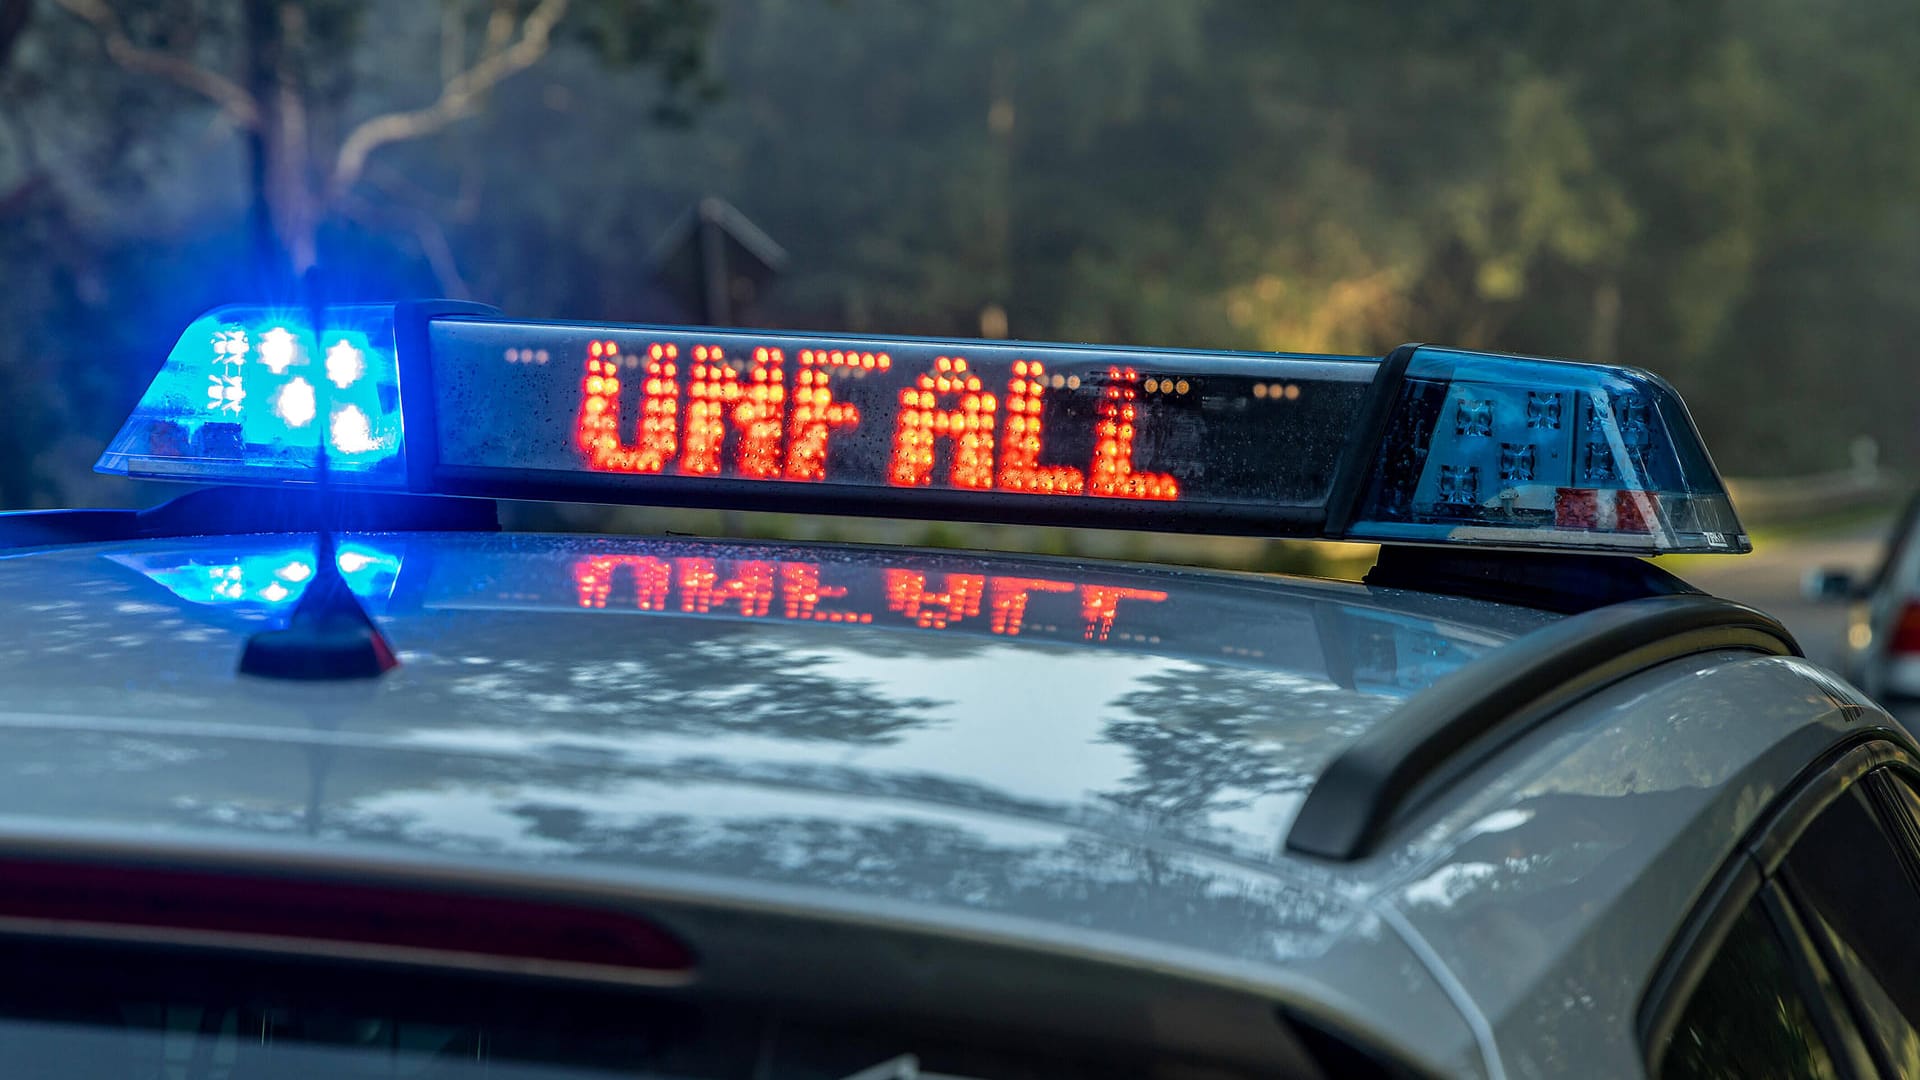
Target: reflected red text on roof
793 590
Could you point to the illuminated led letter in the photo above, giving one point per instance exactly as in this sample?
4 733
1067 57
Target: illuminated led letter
1007 598
1112 472
815 413
801 593
1100 603
762 414
594 577
920 423
907 594
1020 469
757 409
714 388
598 428
701 589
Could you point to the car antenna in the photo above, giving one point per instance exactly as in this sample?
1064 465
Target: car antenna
329 635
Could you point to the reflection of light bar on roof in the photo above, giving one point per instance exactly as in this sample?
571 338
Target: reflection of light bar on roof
270 579
1378 651
1430 445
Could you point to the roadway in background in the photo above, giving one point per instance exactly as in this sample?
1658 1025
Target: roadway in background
1769 579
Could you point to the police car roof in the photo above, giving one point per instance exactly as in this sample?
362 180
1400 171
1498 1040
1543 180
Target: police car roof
1218 778
1071 756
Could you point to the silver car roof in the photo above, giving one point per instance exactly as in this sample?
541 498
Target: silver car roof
1074 754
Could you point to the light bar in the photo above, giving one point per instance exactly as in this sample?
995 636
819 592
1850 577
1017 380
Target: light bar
248 394
1429 445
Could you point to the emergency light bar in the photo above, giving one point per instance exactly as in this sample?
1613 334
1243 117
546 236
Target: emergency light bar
1426 445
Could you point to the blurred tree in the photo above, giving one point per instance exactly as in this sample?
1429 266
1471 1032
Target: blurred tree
1726 192
1631 183
127 205
277 77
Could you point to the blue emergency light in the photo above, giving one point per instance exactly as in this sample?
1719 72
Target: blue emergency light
1424 446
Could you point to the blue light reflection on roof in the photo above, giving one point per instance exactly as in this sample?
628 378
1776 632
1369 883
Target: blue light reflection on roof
270 579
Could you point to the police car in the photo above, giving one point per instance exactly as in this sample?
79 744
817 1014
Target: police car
314 771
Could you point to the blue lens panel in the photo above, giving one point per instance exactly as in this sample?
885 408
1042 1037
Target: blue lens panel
248 394
1505 451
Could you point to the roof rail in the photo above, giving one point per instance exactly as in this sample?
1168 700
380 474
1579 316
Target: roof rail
1467 715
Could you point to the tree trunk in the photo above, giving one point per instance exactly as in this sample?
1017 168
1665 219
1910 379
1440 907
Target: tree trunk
283 218
1603 344
999 209
13 23
260 30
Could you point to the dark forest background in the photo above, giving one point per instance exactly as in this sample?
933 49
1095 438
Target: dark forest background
1725 192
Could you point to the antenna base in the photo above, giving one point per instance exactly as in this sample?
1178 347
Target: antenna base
329 636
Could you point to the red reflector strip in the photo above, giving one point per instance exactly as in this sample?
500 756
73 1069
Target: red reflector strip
1576 508
307 915
1633 511
1604 510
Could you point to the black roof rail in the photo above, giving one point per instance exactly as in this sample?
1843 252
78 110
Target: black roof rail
219 510
1468 714
1564 581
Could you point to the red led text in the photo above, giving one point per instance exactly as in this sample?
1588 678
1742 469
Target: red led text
690 402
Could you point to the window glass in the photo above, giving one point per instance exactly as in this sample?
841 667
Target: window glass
1885 1009
1854 891
1902 805
1746 1017
1879 1012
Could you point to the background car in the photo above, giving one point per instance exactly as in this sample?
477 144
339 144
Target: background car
1882 650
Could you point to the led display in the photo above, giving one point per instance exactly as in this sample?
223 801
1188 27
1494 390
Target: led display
649 408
